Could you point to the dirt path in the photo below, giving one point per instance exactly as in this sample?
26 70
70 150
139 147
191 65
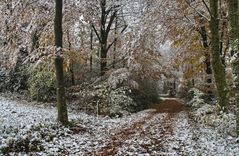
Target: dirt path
150 131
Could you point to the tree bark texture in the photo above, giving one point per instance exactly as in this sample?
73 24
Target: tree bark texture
234 44
61 101
104 37
218 68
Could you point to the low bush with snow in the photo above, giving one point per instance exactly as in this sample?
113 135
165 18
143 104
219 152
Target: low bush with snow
118 77
224 123
195 98
30 138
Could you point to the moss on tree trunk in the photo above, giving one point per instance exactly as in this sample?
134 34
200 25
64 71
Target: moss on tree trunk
234 38
218 68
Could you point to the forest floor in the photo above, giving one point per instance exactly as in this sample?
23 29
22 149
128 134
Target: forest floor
166 129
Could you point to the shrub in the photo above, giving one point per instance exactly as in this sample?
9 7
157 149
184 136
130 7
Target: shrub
42 82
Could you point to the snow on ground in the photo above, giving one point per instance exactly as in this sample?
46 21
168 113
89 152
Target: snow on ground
21 122
17 114
199 139
25 128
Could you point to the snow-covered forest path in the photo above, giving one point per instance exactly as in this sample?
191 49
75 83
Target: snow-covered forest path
149 135
166 129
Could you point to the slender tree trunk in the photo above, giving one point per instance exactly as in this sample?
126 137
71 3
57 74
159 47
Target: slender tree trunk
115 41
192 69
61 101
72 74
71 61
208 68
217 65
103 35
223 27
234 44
91 48
103 55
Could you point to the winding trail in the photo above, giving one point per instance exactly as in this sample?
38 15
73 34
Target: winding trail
148 133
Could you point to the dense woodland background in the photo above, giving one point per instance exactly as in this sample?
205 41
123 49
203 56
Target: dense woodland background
109 57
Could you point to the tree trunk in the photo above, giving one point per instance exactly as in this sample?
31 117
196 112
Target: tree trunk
91 48
115 41
104 37
223 29
71 61
217 65
234 38
207 61
105 28
61 101
103 55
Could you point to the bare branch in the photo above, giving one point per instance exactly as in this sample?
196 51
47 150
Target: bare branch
207 7
96 32
112 17
198 12
110 45
125 26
